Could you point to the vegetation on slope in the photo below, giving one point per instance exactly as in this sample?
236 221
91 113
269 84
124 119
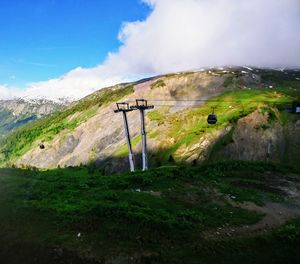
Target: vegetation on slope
286 78
20 141
158 84
181 130
124 216
8 121
229 107
128 214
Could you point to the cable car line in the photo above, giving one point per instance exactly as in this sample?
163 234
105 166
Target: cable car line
209 101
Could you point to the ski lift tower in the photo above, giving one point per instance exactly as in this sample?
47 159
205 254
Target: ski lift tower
124 108
142 105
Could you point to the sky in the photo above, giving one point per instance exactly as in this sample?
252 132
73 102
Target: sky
43 39
70 48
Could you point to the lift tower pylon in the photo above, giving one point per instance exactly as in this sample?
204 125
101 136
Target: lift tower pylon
124 108
142 105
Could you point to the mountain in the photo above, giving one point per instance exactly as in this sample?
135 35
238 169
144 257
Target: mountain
254 122
240 194
18 112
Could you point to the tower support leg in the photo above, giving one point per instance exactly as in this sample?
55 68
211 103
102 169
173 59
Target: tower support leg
130 154
144 141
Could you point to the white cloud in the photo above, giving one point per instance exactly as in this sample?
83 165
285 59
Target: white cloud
75 84
179 35
187 34
8 92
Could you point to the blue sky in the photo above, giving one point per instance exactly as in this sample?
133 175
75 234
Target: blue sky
70 48
43 39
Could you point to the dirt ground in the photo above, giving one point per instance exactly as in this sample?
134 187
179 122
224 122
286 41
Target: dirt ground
275 214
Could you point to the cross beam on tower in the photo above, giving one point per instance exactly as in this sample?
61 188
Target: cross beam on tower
124 108
142 105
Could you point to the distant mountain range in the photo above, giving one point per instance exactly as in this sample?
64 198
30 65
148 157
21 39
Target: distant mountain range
18 112
250 103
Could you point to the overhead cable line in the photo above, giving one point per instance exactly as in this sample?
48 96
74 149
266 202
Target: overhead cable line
211 101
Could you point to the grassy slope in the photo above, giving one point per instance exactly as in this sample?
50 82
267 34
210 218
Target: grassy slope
230 107
20 141
129 213
8 121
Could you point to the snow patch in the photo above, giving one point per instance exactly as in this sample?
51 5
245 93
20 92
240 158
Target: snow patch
248 68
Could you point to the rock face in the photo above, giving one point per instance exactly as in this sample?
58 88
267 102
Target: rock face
100 139
255 137
16 113
21 107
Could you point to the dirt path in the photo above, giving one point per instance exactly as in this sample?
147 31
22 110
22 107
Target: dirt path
275 214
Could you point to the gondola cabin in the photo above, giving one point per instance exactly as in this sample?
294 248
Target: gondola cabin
296 107
42 146
212 119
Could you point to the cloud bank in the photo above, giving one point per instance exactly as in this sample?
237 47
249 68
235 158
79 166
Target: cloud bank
7 93
189 34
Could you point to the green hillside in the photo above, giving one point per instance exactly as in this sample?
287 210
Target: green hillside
8 122
229 107
21 140
168 215
177 132
224 193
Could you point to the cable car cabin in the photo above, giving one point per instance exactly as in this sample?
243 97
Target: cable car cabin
212 119
42 146
296 107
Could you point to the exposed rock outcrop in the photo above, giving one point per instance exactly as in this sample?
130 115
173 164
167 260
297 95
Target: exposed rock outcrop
256 137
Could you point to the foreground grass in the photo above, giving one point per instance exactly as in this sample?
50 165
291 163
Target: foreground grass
162 211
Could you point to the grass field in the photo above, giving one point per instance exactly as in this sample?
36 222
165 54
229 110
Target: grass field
159 216
225 212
